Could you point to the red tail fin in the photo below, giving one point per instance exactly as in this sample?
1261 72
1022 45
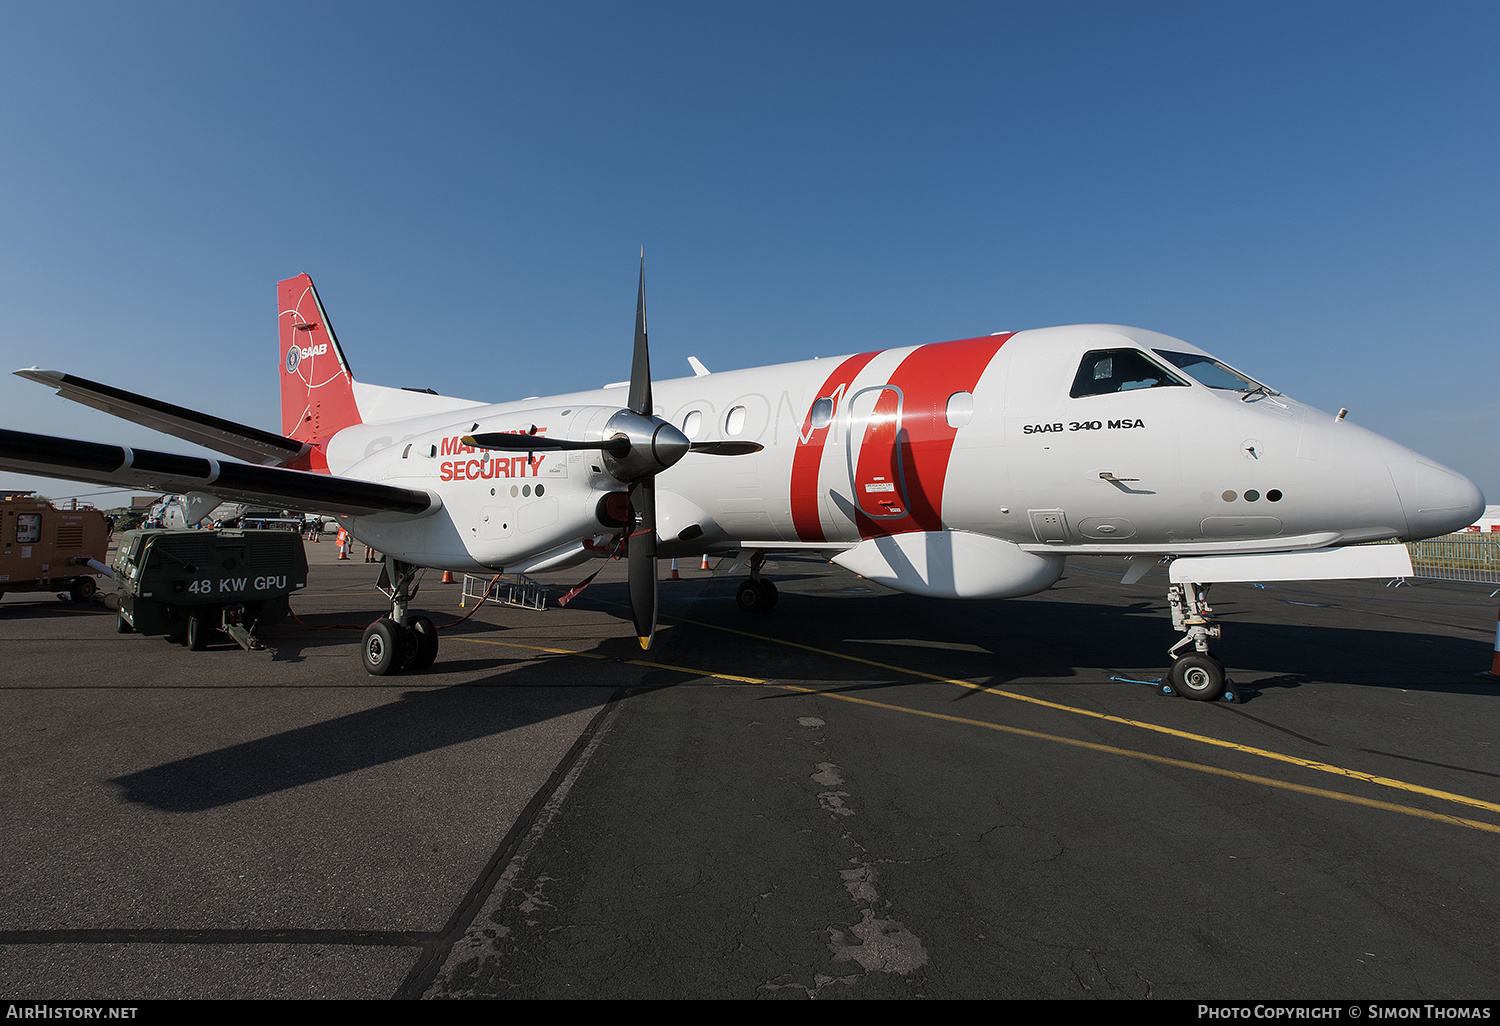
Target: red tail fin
317 390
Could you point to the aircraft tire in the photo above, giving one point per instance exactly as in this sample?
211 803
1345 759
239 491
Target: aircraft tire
383 647
772 595
1198 676
754 597
424 638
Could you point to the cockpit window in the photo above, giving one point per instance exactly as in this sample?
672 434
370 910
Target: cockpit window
1211 372
1120 370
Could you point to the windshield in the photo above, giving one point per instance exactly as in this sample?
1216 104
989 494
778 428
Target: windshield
1212 373
1119 370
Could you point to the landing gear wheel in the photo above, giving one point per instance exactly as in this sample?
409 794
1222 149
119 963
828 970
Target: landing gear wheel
198 631
756 596
1198 676
771 594
382 647
83 589
424 638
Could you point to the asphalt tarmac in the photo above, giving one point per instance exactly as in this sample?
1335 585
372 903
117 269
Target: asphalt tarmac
859 794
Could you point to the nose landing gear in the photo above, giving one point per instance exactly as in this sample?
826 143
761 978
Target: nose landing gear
1196 674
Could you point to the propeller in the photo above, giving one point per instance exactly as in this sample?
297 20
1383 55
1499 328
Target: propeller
619 446
637 445
640 543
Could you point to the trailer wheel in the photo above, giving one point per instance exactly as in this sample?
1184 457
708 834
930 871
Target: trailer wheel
198 631
83 589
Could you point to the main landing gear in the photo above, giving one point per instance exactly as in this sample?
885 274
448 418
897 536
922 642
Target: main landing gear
401 642
757 595
1197 674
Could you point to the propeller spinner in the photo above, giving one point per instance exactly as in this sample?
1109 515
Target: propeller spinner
637 445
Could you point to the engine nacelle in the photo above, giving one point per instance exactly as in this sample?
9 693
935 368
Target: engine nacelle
504 510
952 564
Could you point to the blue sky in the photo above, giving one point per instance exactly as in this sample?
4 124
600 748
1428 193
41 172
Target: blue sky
1307 190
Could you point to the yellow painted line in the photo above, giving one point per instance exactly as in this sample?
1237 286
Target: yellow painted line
1321 767
691 671
1197 767
1405 810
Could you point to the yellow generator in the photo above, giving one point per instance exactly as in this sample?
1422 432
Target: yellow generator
43 548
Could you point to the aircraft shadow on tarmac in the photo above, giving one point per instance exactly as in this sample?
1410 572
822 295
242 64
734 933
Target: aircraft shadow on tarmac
1049 640
416 722
290 641
1056 638
45 606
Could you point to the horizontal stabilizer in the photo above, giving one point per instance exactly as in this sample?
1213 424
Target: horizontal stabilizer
238 440
99 463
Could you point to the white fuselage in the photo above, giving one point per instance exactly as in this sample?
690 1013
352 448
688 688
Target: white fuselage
980 448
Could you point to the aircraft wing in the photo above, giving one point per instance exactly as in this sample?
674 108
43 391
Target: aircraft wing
241 441
126 467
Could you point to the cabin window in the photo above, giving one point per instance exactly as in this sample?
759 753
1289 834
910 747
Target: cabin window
960 409
692 422
734 423
1120 370
822 413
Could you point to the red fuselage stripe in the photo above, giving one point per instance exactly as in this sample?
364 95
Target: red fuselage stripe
809 455
924 440
927 379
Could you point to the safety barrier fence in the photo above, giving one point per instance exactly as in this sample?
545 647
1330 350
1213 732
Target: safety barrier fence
1471 556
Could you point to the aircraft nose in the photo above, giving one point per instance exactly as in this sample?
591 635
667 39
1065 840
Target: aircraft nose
1436 500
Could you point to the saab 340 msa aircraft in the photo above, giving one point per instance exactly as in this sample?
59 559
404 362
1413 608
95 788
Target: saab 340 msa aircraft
966 469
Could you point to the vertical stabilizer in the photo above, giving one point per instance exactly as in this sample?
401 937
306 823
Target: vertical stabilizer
317 390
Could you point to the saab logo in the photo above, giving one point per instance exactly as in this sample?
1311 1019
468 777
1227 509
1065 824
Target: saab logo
295 356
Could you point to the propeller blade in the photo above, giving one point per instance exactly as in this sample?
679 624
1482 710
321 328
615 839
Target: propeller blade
640 367
726 448
521 443
500 440
640 553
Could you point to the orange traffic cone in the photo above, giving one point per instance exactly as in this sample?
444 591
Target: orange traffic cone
704 565
447 576
1494 671
675 575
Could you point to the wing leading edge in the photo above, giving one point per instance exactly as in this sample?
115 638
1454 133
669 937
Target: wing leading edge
241 441
99 463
